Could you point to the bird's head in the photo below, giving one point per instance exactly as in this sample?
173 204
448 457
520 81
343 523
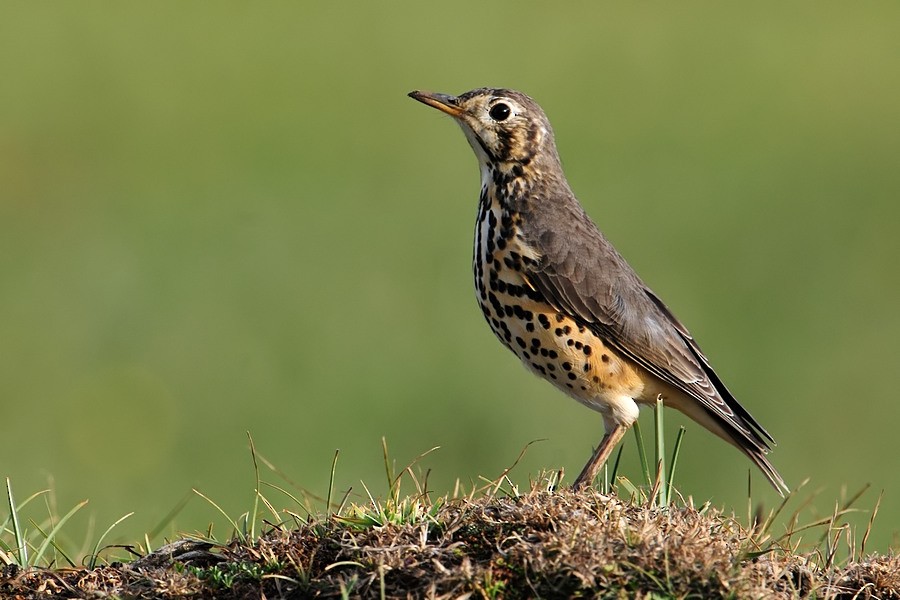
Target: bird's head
502 126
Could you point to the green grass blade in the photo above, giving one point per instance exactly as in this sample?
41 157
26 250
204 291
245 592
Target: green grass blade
238 531
254 514
660 452
611 477
678 439
615 471
393 483
23 504
331 482
21 548
642 453
296 500
94 555
632 490
56 546
48 538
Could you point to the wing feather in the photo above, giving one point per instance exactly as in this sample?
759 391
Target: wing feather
583 276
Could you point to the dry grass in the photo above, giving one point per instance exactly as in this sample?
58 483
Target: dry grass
539 544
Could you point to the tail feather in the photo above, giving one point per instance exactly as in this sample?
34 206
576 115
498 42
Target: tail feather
750 437
774 477
752 444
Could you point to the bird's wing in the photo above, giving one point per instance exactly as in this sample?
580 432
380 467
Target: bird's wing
583 276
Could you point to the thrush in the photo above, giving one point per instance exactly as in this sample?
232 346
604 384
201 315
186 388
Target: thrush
555 291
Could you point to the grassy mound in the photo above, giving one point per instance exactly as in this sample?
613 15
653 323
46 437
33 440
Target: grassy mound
549 544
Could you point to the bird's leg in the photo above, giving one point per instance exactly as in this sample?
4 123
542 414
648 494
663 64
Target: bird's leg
598 458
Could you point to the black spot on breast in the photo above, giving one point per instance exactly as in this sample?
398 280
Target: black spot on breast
567 366
498 307
587 350
521 342
533 295
604 358
572 376
544 321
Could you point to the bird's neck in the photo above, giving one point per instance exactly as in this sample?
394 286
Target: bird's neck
514 186
506 184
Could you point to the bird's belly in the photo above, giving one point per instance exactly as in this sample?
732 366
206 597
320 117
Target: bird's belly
553 345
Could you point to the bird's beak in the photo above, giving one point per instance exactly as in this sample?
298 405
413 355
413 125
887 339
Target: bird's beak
442 102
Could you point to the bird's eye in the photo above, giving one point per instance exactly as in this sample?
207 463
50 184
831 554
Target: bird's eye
500 112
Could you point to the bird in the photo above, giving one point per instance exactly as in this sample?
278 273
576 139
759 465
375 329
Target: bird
557 293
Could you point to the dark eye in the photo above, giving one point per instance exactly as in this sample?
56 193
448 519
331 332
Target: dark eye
500 112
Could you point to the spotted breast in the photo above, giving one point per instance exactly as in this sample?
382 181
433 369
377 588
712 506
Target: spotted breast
547 341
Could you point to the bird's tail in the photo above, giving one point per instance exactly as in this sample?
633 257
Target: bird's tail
758 456
744 439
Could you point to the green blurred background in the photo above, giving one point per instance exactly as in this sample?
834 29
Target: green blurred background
230 217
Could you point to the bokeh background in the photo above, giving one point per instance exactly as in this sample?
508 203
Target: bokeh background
230 218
